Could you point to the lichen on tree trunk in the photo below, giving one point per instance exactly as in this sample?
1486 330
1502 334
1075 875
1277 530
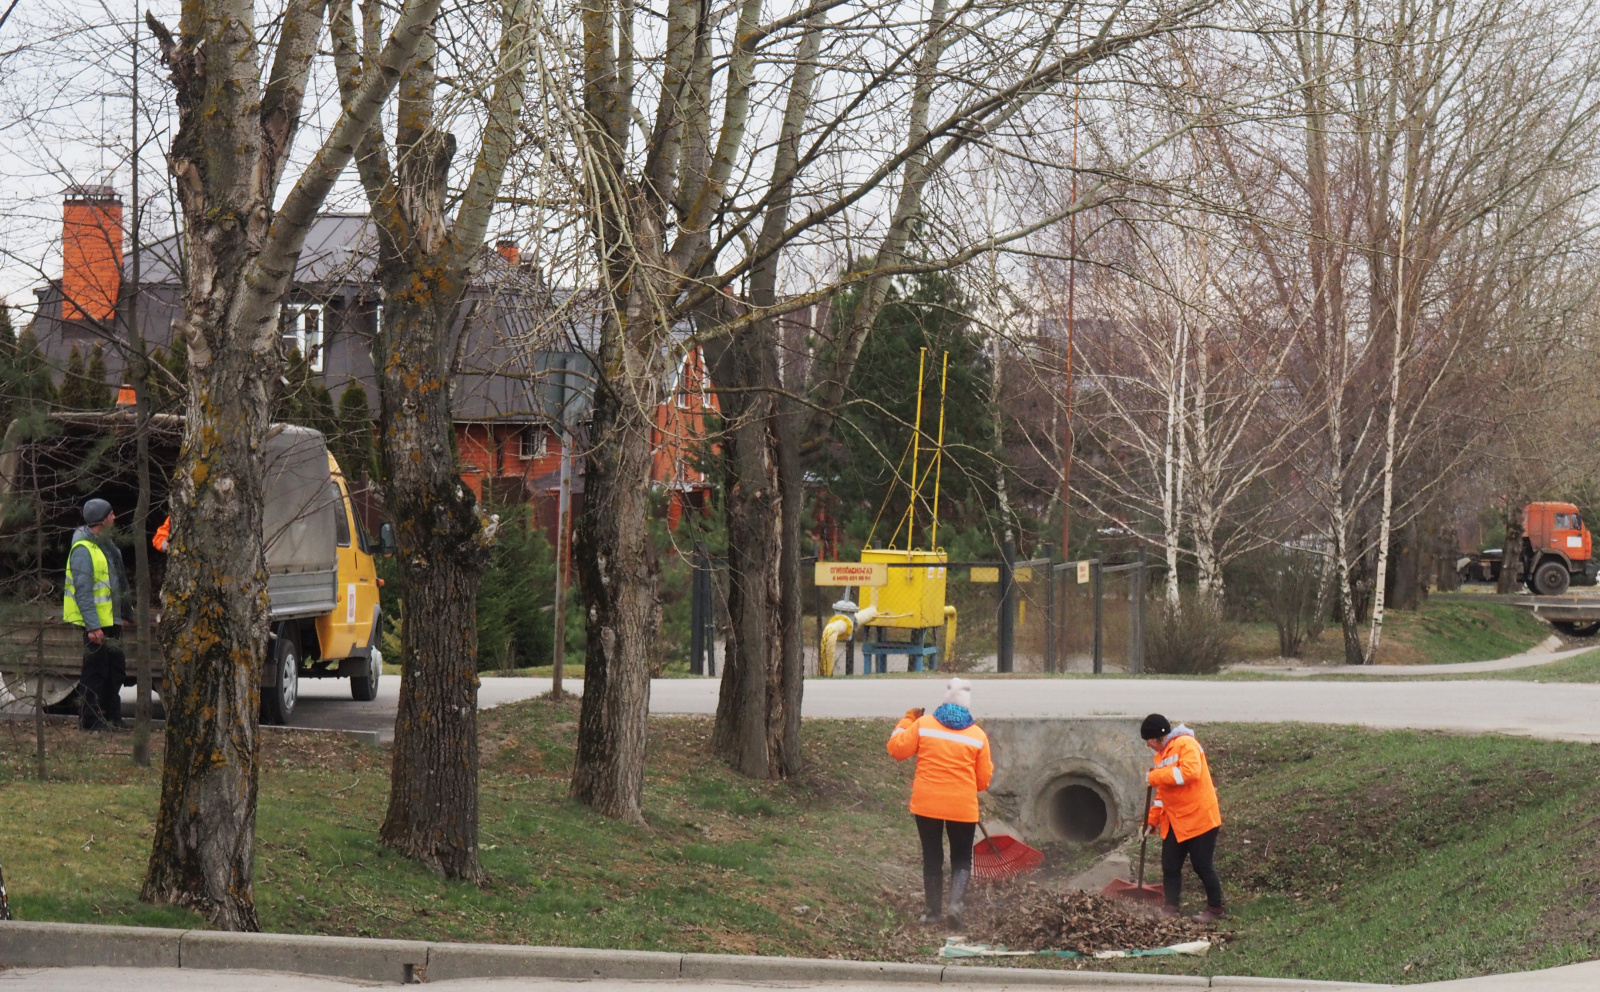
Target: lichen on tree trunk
617 568
433 791
758 711
214 632
237 121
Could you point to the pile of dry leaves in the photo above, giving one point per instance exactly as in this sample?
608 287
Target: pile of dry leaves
1028 917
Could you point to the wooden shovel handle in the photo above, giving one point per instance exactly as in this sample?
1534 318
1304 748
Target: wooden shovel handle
992 848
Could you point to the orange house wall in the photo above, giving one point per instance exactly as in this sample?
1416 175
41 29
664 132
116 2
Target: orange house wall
490 451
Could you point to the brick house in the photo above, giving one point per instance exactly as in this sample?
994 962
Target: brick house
520 350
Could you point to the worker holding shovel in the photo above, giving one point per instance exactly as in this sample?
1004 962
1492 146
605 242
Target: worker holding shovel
953 766
1185 813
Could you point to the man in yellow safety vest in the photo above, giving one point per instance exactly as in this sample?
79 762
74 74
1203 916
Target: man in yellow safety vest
96 590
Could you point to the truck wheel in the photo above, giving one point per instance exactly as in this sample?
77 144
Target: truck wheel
278 699
1551 579
364 688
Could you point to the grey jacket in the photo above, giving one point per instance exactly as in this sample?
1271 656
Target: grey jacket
82 567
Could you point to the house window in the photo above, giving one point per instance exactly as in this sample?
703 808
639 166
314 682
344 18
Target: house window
309 336
304 335
531 443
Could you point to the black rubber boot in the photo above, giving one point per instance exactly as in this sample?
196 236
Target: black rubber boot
932 895
958 891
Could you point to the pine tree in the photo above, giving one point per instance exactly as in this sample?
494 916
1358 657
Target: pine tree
354 447
74 395
8 334
169 377
33 382
97 393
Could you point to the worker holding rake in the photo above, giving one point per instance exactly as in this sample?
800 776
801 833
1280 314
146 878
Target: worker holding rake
953 766
1185 813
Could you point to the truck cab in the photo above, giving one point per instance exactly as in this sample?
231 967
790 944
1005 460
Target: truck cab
1556 548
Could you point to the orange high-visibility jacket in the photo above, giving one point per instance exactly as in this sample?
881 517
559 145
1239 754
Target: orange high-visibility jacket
953 766
163 535
1186 801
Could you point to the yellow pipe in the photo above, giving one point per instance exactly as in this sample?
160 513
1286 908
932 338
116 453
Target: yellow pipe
938 459
841 626
949 631
916 451
838 627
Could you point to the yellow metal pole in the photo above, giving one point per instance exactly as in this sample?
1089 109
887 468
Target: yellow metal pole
916 451
938 458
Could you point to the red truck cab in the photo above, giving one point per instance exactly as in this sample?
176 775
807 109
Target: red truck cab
1556 548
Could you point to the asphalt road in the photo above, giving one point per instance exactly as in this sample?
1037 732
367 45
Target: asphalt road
1557 711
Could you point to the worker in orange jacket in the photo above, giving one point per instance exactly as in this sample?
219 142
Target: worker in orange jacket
1185 813
163 536
953 765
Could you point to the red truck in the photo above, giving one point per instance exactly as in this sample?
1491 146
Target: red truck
1556 552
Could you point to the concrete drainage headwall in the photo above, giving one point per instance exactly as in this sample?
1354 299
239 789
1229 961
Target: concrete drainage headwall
1077 780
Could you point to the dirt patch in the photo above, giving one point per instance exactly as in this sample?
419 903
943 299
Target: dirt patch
1575 917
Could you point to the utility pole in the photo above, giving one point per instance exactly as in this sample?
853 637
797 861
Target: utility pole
563 543
139 359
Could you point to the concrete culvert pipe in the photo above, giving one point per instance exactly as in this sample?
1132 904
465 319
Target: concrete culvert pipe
1076 780
1078 813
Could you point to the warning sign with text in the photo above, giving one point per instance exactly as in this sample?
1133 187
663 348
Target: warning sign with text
851 573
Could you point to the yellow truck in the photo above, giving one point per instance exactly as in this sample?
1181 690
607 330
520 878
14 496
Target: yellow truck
322 582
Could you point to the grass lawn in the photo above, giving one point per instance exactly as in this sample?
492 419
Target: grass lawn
1348 853
1439 633
1579 668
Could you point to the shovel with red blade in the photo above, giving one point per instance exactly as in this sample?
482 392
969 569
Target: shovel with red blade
1002 856
1121 888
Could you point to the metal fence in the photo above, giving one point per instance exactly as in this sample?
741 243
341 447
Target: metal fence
1033 616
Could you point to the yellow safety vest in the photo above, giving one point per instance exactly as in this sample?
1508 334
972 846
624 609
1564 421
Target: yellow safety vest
102 587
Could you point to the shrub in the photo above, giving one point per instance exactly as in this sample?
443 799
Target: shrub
1280 585
1194 638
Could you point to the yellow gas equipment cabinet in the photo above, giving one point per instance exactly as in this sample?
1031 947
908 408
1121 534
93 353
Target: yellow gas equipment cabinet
914 596
912 599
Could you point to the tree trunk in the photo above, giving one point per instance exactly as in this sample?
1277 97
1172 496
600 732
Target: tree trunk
617 570
433 790
227 159
758 712
214 628
1511 550
1406 576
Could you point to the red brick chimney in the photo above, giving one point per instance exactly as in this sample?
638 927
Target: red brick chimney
91 253
508 250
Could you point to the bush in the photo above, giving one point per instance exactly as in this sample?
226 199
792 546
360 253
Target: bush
1193 639
1280 585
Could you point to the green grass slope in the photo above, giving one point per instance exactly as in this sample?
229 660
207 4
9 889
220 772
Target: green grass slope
1349 854
1438 633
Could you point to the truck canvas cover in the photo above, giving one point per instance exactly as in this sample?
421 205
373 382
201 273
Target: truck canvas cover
298 523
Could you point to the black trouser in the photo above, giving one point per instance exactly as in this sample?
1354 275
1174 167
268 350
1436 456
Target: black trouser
100 684
932 832
1201 850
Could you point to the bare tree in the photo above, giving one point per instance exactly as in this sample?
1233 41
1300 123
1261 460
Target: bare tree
425 262
238 119
794 141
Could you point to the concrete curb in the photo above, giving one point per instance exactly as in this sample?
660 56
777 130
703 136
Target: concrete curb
83 945
344 957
